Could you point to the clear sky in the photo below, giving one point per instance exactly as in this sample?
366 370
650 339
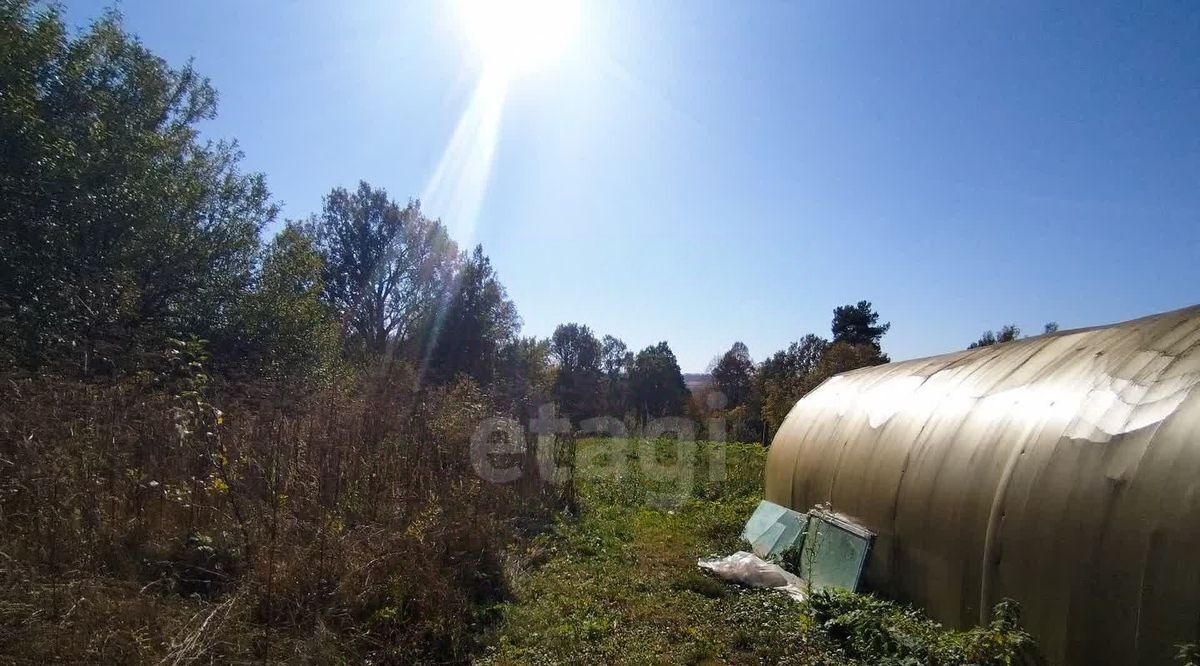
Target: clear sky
709 172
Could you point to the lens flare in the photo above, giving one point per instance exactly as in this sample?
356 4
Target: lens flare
458 184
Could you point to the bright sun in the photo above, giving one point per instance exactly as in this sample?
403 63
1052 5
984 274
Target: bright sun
517 36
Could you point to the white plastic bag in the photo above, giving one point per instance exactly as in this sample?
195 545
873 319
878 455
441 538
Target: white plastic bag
752 571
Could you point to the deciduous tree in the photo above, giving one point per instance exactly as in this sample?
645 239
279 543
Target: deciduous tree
120 227
790 374
290 336
579 386
475 320
733 375
656 382
615 361
1007 333
385 265
524 378
787 375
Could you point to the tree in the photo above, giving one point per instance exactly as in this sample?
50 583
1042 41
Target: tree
474 322
615 357
615 361
799 359
733 395
656 382
842 357
120 228
579 386
385 266
290 335
987 339
733 374
790 374
524 377
1050 327
787 375
858 324
575 348
1007 333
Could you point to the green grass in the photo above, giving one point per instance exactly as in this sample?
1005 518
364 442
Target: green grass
618 582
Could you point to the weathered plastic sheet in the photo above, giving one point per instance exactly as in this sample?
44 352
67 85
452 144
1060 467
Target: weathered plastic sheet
752 571
1062 471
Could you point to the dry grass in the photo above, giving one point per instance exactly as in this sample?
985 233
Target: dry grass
141 524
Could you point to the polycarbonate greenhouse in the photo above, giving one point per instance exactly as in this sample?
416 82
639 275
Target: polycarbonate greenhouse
1062 471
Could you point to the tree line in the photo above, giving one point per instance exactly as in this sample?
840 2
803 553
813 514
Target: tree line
1007 333
754 398
126 235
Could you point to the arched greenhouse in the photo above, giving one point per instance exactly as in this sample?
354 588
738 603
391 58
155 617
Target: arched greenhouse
1062 471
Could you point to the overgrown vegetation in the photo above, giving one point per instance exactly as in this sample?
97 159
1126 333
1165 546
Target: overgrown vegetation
620 583
143 525
872 631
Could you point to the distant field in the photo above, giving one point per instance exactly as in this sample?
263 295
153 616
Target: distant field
695 380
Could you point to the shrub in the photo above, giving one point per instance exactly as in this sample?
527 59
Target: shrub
876 631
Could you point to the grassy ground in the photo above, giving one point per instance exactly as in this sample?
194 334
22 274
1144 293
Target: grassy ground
620 583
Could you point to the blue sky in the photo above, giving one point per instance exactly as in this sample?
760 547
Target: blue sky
708 172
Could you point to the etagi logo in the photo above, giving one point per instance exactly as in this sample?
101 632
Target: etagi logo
662 451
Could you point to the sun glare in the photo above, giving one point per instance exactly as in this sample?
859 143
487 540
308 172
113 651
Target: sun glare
512 37
517 36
